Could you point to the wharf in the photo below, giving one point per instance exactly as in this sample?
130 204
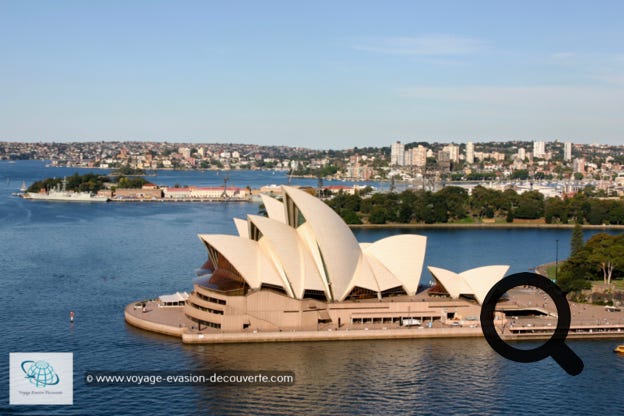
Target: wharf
163 200
172 321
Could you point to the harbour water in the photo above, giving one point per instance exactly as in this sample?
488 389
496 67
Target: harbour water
94 259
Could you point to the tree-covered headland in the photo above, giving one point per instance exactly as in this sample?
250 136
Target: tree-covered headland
89 182
453 204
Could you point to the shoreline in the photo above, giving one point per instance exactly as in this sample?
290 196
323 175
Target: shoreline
179 200
366 226
485 225
175 324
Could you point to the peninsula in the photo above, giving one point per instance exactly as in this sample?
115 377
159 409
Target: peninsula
300 275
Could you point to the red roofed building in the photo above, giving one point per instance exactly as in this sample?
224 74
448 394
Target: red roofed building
199 192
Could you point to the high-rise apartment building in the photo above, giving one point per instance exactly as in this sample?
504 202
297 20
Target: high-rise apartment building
397 154
522 153
444 160
453 152
407 157
539 149
470 152
567 151
419 156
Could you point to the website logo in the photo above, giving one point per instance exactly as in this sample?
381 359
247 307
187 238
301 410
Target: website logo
40 373
41 378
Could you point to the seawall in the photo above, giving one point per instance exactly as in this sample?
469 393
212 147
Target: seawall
342 335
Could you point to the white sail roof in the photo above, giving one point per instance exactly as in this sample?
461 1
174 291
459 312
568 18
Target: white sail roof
482 279
403 255
242 227
454 284
305 246
337 245
247 257
476 282
274 208
384 277
290 255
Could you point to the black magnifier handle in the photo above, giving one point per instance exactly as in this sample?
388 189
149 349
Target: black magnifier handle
555 346
567 359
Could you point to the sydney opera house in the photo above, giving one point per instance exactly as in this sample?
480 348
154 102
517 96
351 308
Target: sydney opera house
301 268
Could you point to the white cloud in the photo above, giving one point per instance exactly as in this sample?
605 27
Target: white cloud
425 45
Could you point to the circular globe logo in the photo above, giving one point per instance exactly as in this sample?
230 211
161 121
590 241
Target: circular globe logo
40 373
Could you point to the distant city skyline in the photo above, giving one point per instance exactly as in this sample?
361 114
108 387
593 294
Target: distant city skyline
321 75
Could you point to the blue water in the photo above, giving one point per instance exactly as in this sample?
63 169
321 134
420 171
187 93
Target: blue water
95 259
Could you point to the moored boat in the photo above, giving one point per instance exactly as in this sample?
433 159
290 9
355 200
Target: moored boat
63 195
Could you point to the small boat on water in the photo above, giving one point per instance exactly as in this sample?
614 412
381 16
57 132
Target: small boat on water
619 349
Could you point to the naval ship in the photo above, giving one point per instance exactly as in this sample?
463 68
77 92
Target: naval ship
61 194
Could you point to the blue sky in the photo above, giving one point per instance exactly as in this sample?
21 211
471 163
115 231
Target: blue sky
316 74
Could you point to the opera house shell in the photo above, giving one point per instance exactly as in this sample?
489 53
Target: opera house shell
474 283
300 267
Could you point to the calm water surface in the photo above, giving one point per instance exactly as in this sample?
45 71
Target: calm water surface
94 259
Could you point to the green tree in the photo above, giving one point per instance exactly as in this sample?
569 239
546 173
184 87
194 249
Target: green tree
89 182
327 171
420 205
605 211
555 209
378 215
350 217
436 210
530 205
487 202
576 242
454 199
605 253
510 215
406 212
572 276
366 206
579 207
521 174
365 191
124 182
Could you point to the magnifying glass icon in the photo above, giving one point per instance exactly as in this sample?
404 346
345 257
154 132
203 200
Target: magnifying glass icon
555 347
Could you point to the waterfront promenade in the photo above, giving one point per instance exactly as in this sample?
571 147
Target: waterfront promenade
588 321
171 321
